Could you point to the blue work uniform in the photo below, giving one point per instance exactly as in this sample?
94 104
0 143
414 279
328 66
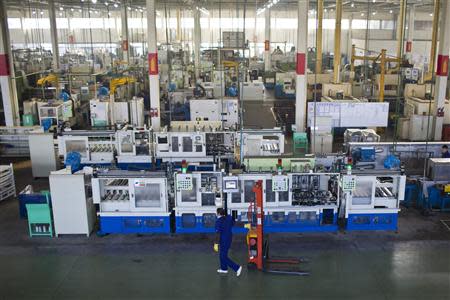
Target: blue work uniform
446 154
224 225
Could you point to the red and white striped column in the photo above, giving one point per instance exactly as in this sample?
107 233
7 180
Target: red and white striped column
267 62
442 69
153 66
7 85
301 80
410 36
125 46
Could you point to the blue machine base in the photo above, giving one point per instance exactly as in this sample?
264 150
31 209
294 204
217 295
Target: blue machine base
135 166
206 167
154 224
437 200
372 222
296 225
187 225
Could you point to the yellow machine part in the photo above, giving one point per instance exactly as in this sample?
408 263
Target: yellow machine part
115 82
447 188
51 78
251 233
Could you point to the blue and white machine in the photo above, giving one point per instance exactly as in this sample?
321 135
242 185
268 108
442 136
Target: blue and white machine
294 202
96 147
197 197
134 148
372 202
131 201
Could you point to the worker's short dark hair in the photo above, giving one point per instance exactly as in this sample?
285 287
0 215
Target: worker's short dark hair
445 147
221 211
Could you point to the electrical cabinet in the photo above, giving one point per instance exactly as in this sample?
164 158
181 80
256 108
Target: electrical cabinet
72 206
99 113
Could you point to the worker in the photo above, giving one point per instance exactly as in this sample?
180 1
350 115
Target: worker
224 225
445 153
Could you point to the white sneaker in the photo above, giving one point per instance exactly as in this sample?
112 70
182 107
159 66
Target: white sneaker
238 272
222 271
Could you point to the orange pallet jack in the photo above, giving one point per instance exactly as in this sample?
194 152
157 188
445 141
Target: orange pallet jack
258 248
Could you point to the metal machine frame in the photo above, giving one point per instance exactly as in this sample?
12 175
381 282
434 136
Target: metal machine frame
132 202
197 197
372 202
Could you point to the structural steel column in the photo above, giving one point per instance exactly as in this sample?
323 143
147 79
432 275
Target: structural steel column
410 37
401 28
197 41
153 65
53 34
434 34
7 84
319 37
349 37
302 48
267 62
337 41
442 69
125 43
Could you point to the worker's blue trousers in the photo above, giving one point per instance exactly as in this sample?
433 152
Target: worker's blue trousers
225 261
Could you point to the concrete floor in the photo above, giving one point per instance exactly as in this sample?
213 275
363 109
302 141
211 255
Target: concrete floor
411 264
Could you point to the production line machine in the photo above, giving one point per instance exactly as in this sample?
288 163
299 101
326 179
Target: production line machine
294 202
372 202
96 147
131 201
134 148
197 197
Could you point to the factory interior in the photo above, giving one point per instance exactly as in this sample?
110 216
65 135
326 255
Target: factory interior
143 141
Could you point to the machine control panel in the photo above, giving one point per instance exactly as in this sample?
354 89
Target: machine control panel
184 182
348 183
230 184
280 183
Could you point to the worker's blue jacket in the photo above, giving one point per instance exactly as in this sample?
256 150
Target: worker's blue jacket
224 225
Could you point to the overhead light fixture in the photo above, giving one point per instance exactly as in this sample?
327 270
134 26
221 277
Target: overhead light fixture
374 1
374 13
431 14
60 14
331 10
96 12
362 14
42 12
61 8
72 9
141 10
204 10
94 1
116 5
106 3
391 11
80 10
33 12
129 8
325 10
353 4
